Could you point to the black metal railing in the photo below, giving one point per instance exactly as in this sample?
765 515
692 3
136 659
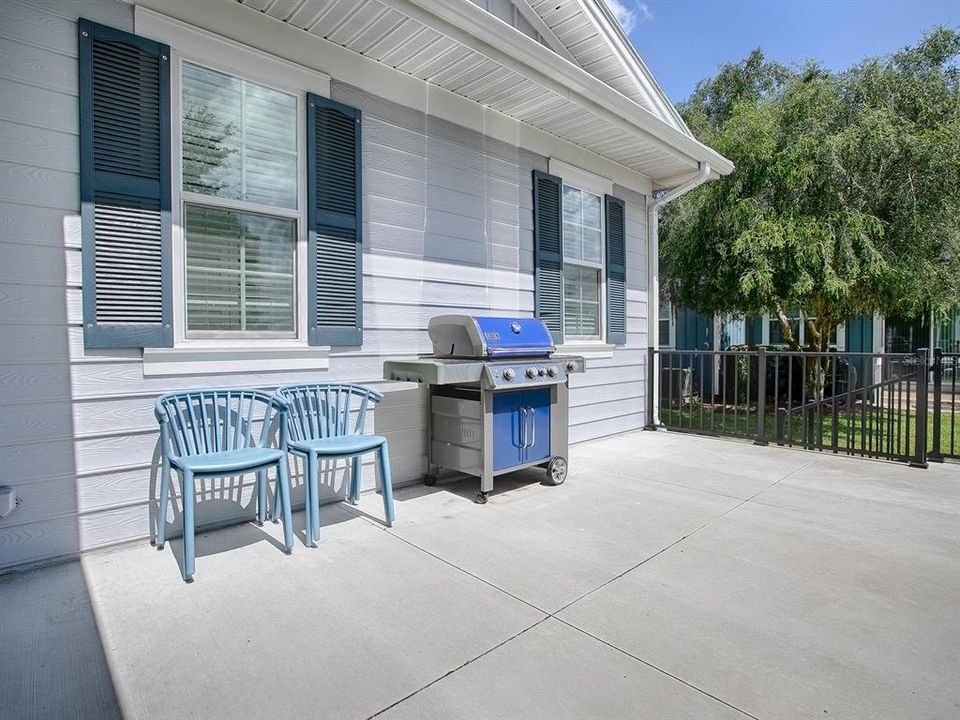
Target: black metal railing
894 406
945 435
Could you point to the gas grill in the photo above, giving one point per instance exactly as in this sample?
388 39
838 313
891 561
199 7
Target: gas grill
498 397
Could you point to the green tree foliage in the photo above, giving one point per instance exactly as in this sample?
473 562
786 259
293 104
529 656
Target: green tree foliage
845 198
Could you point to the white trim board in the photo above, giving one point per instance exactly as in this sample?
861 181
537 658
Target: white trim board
580 178
159 362
232 57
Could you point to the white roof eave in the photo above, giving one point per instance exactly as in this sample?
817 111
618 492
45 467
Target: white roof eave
470 25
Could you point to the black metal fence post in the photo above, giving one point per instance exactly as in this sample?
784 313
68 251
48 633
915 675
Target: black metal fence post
651 386
936 448
923 391
761 396
781 423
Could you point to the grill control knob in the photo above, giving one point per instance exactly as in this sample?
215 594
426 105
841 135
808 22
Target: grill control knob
509 374
531 372
541 372
552 371
571 366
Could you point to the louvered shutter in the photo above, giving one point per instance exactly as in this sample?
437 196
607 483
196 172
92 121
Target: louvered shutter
124 188
548 252
616 270
335 247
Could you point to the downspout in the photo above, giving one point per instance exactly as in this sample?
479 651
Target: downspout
653 280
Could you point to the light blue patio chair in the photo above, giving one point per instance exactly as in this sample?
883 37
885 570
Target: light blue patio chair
319 428
210 433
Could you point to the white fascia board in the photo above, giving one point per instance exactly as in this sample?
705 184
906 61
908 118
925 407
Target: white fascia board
625 51
272 37
469 25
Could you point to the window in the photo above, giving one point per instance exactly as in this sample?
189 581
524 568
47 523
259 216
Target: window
799 330
582 263
776 330
664 337
240 205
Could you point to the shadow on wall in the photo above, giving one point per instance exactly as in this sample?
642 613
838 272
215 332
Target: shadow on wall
52 662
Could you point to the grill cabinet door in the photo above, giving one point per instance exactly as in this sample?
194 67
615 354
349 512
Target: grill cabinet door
537 402
507 429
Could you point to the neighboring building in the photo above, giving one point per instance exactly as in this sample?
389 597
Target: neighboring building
267 191
685 329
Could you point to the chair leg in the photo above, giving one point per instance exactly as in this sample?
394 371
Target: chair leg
355 481
275 513
261 496
162 508
309 472
186 484
315 496
386 482
283 490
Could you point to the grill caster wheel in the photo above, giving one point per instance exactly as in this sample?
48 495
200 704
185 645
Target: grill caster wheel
430 480
556 470
480 498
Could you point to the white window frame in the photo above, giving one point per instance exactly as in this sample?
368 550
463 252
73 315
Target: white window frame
180 198
201 47
672 325
802 335
585 181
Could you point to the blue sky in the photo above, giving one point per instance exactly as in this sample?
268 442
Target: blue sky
683 41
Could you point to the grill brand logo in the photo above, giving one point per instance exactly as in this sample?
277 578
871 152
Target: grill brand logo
492 335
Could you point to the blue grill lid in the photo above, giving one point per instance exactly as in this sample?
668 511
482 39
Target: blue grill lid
470 336
509 337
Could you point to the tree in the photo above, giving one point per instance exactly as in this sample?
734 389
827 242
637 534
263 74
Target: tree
845 199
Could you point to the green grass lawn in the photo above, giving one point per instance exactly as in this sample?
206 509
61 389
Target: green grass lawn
871 431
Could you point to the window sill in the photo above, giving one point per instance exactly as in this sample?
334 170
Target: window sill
590 351
160 362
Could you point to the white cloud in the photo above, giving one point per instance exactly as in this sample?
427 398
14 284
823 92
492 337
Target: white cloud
629 13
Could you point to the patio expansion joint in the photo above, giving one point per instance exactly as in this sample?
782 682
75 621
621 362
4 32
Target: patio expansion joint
391 533
655 667
459 667
554 615
693 532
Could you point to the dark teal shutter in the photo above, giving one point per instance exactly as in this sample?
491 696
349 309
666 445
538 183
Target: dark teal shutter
548 252
125 188
334 202
616 224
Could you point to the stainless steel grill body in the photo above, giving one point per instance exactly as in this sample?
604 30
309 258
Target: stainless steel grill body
497 404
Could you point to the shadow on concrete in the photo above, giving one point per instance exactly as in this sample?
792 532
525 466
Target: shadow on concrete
52 663
466 486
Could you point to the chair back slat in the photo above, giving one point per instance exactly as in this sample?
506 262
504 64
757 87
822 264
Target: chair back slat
343 409
322 410
198 422
361 415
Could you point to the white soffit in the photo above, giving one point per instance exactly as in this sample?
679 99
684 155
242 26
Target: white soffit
406 35
597 42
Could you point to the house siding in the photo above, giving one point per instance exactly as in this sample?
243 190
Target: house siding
447 228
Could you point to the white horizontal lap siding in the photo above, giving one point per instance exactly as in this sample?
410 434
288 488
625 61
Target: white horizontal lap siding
610 397
447 228
446 219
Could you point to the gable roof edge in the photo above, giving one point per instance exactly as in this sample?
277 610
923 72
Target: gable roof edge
645 80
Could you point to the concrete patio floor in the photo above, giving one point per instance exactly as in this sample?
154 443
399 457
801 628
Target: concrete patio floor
672 576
